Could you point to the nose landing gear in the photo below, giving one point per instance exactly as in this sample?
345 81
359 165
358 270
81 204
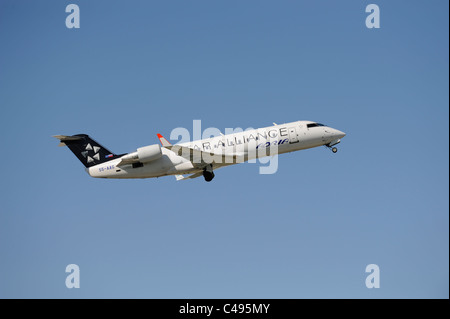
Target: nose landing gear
332 147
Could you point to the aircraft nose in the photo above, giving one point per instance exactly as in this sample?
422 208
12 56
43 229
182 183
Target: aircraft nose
339 134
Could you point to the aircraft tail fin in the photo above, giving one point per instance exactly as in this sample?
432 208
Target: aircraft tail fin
87 150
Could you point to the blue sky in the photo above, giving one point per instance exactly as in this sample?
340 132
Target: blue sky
139 68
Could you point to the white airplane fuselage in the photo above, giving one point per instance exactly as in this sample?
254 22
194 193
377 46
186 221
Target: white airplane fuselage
248 144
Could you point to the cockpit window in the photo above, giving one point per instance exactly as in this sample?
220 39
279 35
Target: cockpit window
314 125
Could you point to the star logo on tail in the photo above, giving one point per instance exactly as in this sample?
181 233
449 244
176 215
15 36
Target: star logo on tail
91 153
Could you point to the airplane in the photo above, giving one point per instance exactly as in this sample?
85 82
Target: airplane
201 157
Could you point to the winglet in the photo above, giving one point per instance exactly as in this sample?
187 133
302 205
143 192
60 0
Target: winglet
163 140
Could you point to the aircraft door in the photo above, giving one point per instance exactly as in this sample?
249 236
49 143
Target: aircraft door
293 137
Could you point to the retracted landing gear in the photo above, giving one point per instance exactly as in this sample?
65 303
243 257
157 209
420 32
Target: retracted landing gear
208 173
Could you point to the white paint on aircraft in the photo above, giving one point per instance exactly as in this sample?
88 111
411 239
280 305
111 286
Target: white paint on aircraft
202 157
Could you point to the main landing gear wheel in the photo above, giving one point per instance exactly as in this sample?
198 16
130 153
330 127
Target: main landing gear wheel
334 149
208 173
208 176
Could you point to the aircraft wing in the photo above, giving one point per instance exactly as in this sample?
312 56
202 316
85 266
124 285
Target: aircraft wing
182 177
201 158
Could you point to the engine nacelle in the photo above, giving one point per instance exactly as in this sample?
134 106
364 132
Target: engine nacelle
149 153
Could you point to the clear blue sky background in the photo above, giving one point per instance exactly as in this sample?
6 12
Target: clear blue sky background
137 68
